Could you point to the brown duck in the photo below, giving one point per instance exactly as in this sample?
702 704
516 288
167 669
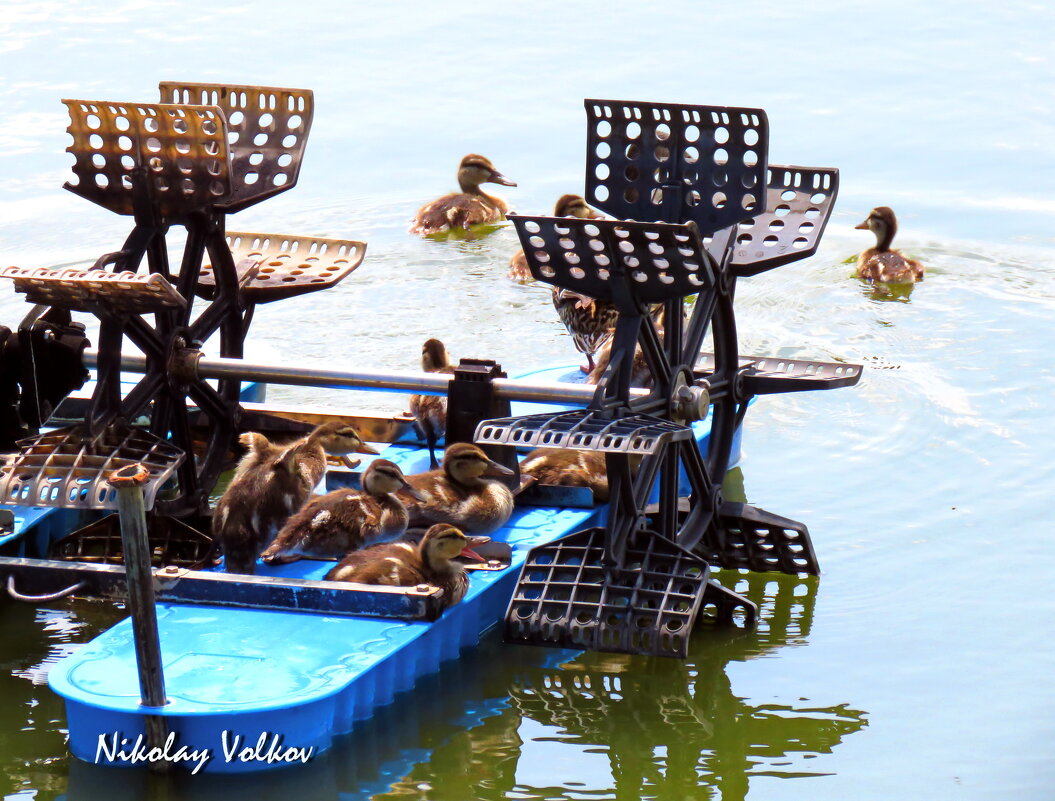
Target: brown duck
567 206
329 526
462 493
472 206
270 483
430 411
882 263
401 564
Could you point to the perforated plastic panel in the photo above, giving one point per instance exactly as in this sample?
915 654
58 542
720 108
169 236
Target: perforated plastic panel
799 201
267 131
184 149
95 290
673 162
289 265
656 260
69 468
583 430
567 598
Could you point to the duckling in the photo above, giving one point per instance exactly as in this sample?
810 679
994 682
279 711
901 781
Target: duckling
460 493
401 564
329 526
882 263
430 411
269 484
567 206
565 467
469 207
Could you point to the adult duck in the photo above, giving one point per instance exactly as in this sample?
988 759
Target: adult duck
472 206
401 564
329 526
270 483
882 263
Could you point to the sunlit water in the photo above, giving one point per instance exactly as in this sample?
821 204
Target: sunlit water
919 664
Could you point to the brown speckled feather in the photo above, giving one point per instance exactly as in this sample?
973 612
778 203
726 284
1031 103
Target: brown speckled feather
568 468
458 210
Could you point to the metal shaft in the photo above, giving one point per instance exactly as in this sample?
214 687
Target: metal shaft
395 381
136 549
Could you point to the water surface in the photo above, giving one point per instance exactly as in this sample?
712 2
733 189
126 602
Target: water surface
917 664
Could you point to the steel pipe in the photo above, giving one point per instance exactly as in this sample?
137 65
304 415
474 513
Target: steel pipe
392 381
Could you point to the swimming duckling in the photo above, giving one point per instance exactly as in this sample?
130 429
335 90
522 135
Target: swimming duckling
329 526
882 263
469 207
461 494
567 206
401 564
270 483
430 411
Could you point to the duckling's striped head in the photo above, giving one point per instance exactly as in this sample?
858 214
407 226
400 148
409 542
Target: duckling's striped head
443 542
383 477
463 462
475 170
575 206
338 437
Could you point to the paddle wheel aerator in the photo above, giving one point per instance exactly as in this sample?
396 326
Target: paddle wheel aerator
695 207
204 152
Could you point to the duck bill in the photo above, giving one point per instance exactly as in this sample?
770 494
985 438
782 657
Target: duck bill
413 493
498 178
473 542
863 225
495 469
364 448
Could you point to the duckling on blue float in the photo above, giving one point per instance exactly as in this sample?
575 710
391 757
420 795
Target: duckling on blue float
402 564
463 492
270 483
329 526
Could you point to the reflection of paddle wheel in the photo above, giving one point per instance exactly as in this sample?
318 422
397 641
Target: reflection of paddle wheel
707 210
205 152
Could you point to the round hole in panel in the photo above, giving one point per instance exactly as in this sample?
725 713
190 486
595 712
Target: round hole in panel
640 276
692 133
817 197
603 150
288 141
630 194
720 177
719 199
806 227
812 214
632 173
633 130
280 179
771 240
782 210
776 225
260 139
743 239
577 273
721 156
600 193
604 128
601 260
750 137
721 134
256 159
748 202
800 242
690 155
98 160
153 144
602 171
266 120
251 178
750 158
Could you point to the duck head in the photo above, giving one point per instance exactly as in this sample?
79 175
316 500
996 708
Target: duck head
475 170
575 206
443 542
881 222
467 464
434 356
383 477
338 438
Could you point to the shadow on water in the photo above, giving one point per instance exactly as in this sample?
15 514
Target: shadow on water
651 727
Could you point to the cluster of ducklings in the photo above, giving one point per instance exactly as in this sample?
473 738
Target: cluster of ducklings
462 498
591 322
269 512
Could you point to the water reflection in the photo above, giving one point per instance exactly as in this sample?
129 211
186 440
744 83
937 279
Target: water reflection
646 727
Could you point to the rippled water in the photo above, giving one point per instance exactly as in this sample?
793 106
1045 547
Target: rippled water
918 664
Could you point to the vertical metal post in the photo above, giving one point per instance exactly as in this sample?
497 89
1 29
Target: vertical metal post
128 481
